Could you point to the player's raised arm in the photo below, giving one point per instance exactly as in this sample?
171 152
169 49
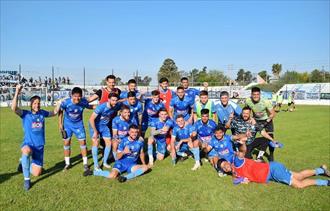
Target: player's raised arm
93 98
14 106
242 150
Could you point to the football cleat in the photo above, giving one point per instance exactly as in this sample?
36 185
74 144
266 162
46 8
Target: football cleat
326 171
122 179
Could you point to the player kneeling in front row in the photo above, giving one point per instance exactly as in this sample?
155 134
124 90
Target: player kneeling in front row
129 150
159 129
34 136
181 142
246 170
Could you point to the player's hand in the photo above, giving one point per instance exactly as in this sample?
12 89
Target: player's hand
19 88
205 84
248 134
95 135
268 120
189 121
126 150
165 128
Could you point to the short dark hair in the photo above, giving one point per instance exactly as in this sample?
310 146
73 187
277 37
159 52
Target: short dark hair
205 111
76 90
246 108
203 93
219 163
179 116
35 97
131 94
184 79
155 93
161 80
220 127
162 109
179 87
224 93
255 89
124 107
112 94
131 81
110 77
133 127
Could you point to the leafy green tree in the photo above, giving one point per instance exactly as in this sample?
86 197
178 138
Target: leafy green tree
248 76
276 69
264 75
169 70
240 75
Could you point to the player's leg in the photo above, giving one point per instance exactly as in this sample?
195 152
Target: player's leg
67 135
134 171
161 149
312 172
95 145
308 182
107 151
115 143
262 146
270 130
173 153
25 160
37 160
151 142
194 148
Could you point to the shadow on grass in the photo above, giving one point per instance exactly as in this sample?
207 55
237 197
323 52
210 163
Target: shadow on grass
6 176
58 167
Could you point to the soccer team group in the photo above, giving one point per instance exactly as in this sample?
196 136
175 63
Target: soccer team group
180 126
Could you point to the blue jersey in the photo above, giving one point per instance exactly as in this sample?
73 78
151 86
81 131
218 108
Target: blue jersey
182 106
34 127
135 147
224 112
135 110
123 94
151 109
157 125
205 131
73 113
192 93
104 113
223 147
121 126
183 133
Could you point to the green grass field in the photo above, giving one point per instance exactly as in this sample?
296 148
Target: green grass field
305 133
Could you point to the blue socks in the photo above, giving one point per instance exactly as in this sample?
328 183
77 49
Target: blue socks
150 148
106 153
134 174
95 156
321 182
101 173
26 166
195 151
319 171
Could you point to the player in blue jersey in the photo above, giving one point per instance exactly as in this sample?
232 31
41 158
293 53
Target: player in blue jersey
131 87
130 150
222 146
226 109
72 123
135 107
120 127
98 127
191 92
205 129
181 142
160 127
34 136
151 109
181 105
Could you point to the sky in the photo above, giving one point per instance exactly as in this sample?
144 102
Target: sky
126 36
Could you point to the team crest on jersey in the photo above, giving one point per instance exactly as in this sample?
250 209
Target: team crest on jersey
36 125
